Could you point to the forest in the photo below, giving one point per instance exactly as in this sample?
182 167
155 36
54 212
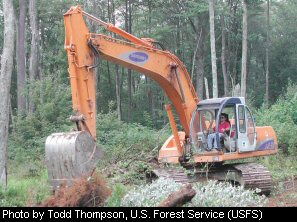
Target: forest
229 47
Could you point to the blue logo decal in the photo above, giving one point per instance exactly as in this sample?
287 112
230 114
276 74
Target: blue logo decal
266 145
138 57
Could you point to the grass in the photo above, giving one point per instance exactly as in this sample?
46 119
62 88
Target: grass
119 191
281 166
25 191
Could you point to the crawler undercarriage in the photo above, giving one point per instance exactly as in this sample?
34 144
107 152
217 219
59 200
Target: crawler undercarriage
249 175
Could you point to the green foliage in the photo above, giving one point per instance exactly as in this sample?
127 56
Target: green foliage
114 134
214 194
128 148
211 194
147 119
22 191
119 190
281 166
150 195
283 55
282 117
52 110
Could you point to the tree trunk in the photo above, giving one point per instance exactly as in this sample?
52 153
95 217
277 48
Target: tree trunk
129 95
213 50
98 70
267 54
200 64
206 88
33 68
111 18
195 54
198 57
236 91
244 49
21 58
109 82
108 11
88 5
11 114
150 95
117 75
178 39
236 59
118 92
200 77
5 83
233 46
223 58
200 68
128 26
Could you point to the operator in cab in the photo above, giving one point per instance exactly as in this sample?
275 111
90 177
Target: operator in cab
224 127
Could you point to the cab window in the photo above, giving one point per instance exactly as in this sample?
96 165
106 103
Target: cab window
241 119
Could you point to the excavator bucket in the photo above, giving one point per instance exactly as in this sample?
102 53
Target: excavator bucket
70 156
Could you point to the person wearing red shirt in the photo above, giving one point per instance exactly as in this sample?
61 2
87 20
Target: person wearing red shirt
223 127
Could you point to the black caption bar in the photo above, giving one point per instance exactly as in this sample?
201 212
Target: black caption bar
105 213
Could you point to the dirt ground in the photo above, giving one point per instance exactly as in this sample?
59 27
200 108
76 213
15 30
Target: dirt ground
284 194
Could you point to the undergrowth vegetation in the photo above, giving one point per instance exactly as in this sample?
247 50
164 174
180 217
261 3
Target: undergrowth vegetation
210 194
223 194
130 152
129 149
25 191
282 116
281 166
29 132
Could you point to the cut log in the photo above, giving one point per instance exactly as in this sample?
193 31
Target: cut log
179 198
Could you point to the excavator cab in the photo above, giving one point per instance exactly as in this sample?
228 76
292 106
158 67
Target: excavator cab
242 135
243 140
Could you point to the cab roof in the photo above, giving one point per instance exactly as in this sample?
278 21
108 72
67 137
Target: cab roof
216 103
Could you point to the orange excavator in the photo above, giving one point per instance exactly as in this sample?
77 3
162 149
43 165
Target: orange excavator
73 154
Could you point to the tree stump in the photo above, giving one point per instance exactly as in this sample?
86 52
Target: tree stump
179 198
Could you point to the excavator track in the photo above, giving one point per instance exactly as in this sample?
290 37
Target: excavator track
176 174
254 175
249 175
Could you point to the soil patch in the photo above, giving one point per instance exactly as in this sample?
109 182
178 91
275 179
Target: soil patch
285 195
